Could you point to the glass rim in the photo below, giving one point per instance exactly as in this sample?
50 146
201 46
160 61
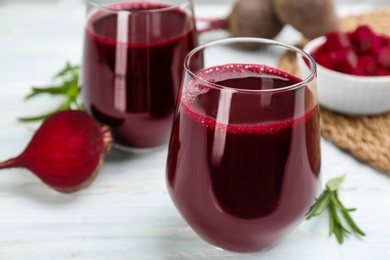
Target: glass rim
109 8
294 86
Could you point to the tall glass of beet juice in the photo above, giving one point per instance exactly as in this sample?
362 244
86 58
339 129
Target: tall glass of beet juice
244 155
133 66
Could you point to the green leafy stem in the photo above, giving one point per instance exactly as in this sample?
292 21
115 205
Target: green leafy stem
329 199
67 85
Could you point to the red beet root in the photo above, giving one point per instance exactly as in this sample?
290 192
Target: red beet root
381 71
368 65
327 60
376 46
347 60
361 52
364 37
384 57
66 152
384 40
337 40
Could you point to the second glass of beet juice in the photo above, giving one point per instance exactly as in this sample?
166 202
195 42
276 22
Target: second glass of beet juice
133 65
244 156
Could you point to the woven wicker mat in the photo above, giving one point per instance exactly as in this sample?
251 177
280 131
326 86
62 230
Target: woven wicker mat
365 137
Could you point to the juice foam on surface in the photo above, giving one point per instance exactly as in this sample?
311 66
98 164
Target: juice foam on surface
270 79
103 25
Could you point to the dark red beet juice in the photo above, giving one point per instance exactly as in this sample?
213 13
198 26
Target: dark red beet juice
243 168
132 69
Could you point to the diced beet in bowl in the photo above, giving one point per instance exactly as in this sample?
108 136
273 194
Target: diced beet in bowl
353 73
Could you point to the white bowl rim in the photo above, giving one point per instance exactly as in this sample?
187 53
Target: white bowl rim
314 43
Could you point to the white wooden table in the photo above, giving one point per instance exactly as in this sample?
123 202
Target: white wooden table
126 213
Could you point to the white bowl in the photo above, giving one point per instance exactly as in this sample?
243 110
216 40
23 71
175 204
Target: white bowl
348 94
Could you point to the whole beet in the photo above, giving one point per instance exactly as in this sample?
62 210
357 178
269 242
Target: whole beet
253 18
66 152
313 18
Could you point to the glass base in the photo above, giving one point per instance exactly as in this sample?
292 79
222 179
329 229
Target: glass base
259 251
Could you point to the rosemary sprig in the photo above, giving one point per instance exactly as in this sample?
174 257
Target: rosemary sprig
65 83
329 199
